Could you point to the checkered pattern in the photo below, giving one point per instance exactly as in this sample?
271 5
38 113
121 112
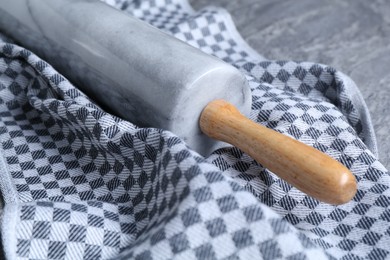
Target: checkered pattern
219 220
160 13
90 230
209 30
89 185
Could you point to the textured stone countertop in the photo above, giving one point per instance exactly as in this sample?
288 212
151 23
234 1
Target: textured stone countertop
352 36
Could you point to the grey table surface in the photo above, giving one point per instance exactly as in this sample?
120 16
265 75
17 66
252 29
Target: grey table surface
352 36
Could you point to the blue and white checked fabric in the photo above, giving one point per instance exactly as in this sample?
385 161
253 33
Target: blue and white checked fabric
79 183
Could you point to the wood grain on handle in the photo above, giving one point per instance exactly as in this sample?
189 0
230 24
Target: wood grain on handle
303 166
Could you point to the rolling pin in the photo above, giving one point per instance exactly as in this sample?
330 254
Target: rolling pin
152 79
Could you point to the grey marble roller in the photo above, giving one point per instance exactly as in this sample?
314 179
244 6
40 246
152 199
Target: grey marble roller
152 79
129 67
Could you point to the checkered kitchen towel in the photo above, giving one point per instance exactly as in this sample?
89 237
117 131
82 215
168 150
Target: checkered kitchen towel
79 183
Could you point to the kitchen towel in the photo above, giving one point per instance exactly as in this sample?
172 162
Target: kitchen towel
80 183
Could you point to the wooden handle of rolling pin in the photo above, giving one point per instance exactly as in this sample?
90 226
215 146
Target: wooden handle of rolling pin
304 167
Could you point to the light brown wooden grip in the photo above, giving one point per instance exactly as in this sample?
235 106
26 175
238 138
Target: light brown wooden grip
303 166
